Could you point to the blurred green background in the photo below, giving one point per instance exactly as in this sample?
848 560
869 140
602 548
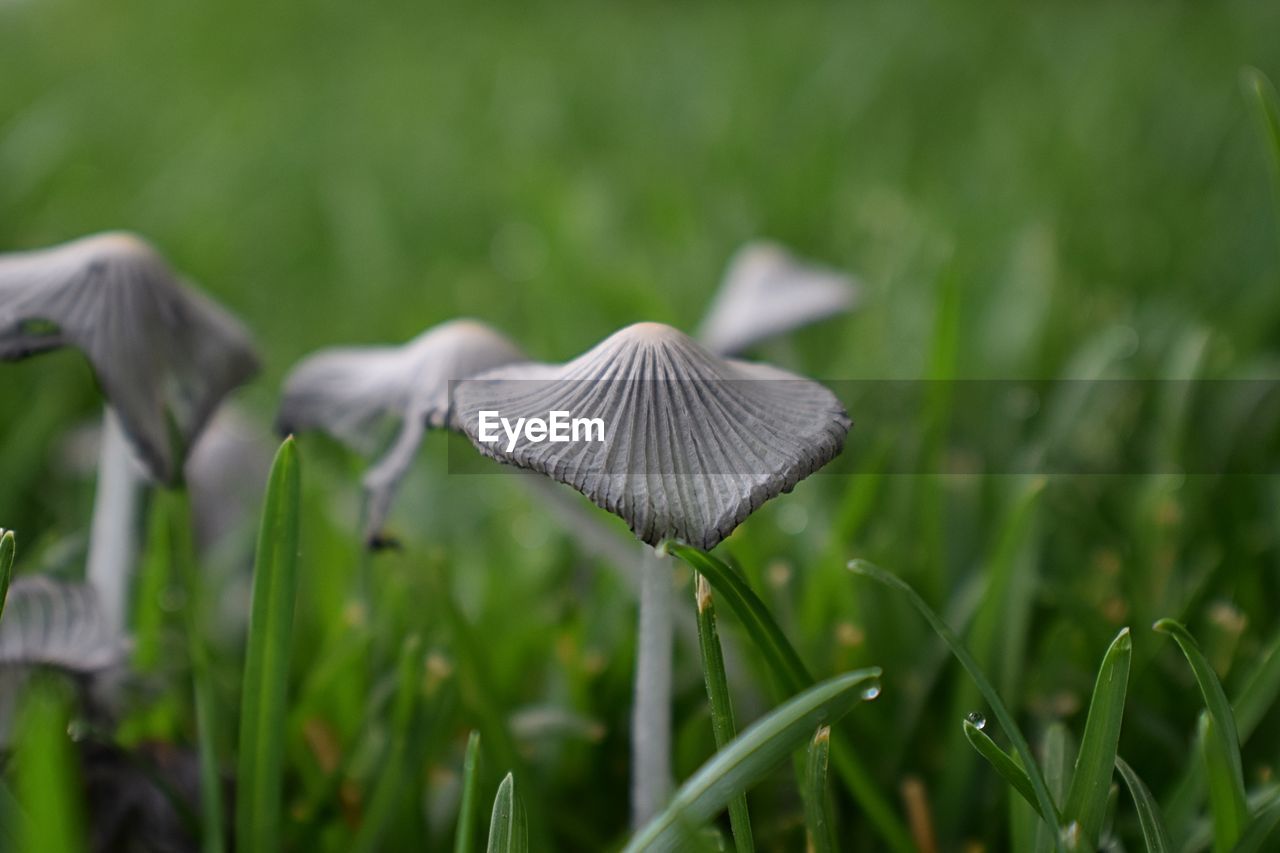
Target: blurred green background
1069 191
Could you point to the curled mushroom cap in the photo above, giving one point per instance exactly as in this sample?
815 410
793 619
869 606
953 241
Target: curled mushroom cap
767 291
693 443
56 624
164 355
348 392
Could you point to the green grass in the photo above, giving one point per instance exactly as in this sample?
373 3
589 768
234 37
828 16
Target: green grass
267 659
1065 191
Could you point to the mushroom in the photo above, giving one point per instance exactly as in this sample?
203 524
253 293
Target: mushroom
766 291
348 392
692 445
58 624
51 624
163 354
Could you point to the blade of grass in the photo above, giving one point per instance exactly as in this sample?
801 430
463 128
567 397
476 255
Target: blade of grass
46 778
1260 691
817 818
995 638
722 722
1091 781
1003 764
1059 759
792 677
465 834
1260 828
266 672
984 686
1224 772
174 511
1229 816
395 775
481 698
761 747
778 652
508 829
1154 833
1257 84
12 820
1249 707
8 548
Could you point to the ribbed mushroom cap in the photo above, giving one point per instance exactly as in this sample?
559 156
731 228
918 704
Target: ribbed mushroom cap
766 292
164 355
693 443
348 392
55 623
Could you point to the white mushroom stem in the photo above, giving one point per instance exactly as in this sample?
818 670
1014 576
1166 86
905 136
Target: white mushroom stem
651 711
113 538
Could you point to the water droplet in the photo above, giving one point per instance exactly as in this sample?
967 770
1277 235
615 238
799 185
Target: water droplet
871 692
976 720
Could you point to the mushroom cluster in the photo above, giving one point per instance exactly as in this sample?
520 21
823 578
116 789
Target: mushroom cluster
164 356
696 441
759 434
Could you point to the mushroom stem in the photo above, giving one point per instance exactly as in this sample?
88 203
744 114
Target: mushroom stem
113 539
651 712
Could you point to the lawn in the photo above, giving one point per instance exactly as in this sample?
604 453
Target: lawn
1077 197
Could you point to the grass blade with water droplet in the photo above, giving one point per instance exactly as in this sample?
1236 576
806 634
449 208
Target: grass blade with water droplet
1003 764
1153 829
793 677
817 818
1224 772
988 692
722 722
508 829
1091 782
266 669
760 748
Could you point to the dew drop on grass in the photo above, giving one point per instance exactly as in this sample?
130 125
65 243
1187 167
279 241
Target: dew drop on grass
871 692
976 720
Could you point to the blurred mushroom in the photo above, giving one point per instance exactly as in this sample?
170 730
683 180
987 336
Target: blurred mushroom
692 445
766 291
224 471
51 624
348 392
56 623
163 354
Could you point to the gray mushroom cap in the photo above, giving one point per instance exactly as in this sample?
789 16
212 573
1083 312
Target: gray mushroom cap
347 392
58 624
766 291
694 443
164 354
